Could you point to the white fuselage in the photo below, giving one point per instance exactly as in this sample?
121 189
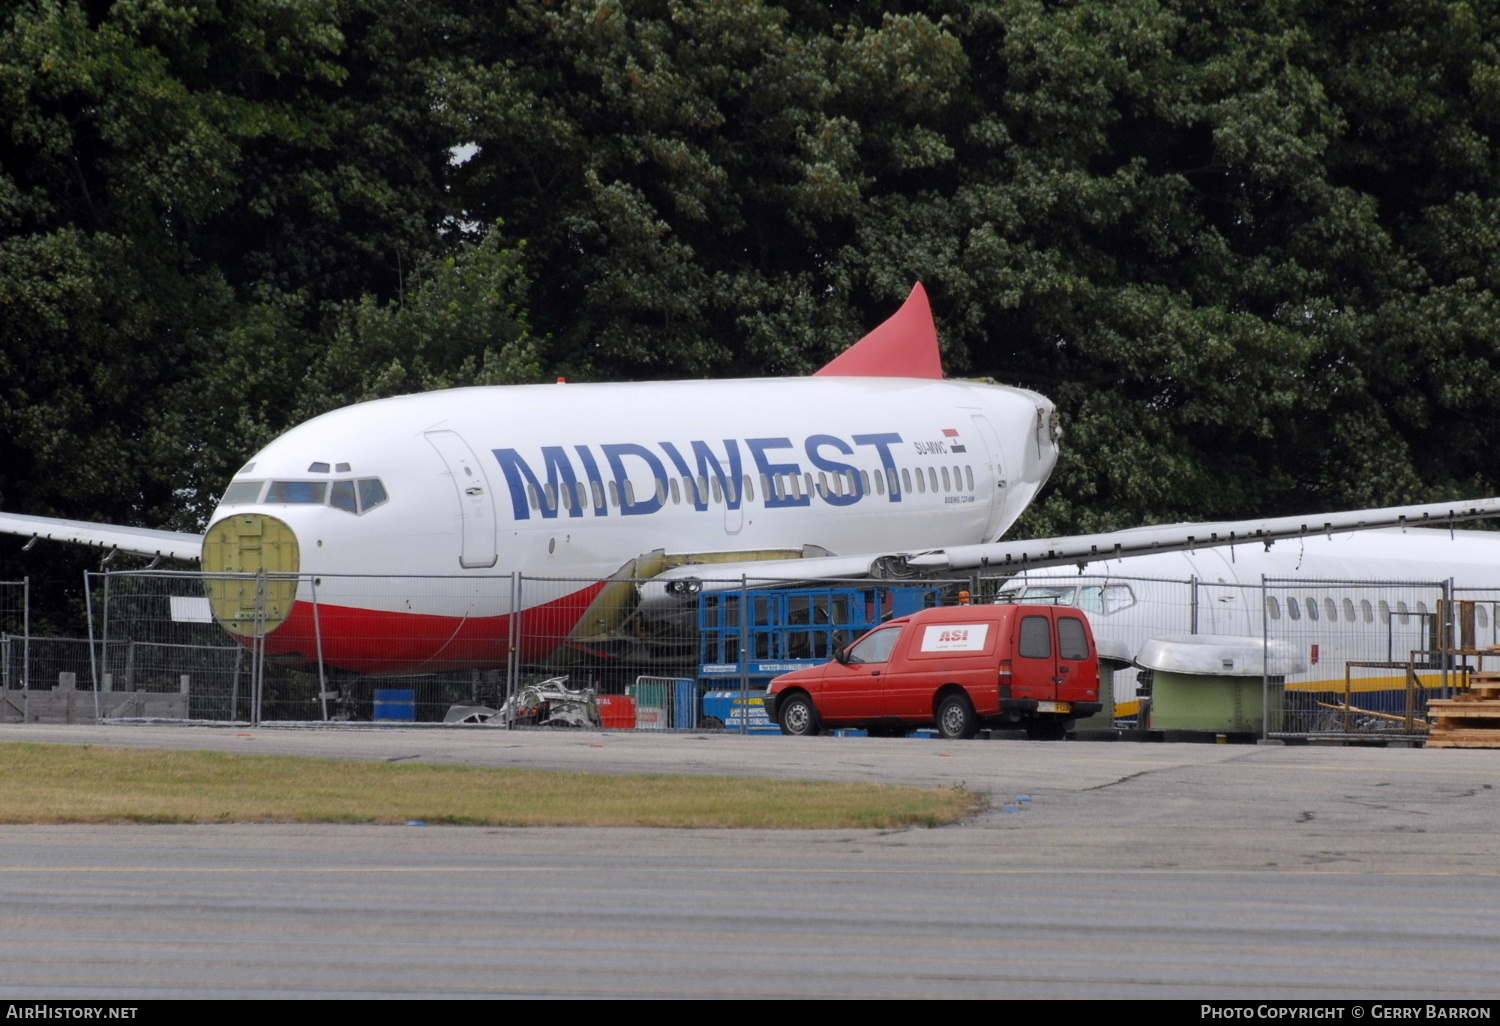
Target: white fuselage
574 481
1359 596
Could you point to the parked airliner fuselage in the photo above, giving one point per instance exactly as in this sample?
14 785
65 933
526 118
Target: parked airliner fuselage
574 481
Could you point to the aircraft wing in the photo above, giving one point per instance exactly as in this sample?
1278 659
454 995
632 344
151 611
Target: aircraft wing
142 541
673 585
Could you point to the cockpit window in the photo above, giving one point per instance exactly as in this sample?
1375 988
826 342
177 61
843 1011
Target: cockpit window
240 493
341 496
371 493
298 492
350 496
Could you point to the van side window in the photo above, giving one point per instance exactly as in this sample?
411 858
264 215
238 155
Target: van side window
1072 639
875 648
1036 638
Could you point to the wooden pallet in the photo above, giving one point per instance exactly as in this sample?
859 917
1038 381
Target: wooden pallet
1471 720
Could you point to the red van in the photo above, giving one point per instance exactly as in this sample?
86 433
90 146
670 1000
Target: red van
958 667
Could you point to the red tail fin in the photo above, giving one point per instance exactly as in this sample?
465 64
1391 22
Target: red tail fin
906 346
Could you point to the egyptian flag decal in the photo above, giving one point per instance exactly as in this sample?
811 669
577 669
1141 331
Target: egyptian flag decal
954 446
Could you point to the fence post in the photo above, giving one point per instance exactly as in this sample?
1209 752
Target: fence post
318 640
1193 629
26 632
234 685
88 601
513 640
744 655
258 639
1265 662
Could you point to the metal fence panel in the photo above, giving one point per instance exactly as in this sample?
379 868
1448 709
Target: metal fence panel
1372 654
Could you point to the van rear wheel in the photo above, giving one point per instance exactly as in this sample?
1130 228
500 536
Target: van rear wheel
955 718
798 717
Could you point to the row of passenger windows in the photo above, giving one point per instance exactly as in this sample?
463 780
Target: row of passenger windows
1327 609
350 496
701 490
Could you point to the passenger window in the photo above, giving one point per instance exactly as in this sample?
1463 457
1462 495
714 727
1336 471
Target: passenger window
676 494
1481 616
864 482
1367 610
906 479
1293 611
598 489
891 478
947 481
550 494
1349 610
1331 609
1036 638
614 494
749 489
875 648
1312 608
1273 608
1072 638
1405 613
932 478
342 497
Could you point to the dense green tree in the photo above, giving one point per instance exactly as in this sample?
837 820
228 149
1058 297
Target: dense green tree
1246 248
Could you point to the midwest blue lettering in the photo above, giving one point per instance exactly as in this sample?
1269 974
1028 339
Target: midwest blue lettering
518 474
758 447
707 467
615 455
817 442
882 444
559 487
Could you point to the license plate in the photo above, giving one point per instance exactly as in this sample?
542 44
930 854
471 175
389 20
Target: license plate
1054 707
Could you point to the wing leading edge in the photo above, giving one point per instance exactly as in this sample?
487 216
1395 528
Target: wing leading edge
672 585
142 541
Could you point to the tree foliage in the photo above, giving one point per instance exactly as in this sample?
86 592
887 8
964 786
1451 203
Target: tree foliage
1246 248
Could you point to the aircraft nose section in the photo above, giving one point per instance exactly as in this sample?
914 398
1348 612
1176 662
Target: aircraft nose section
251 561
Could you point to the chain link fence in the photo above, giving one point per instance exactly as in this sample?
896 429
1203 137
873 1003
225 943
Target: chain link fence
15 633
302 647
698 653
1374 654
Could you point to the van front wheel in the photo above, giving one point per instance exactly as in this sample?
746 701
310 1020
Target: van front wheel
798 717
955 718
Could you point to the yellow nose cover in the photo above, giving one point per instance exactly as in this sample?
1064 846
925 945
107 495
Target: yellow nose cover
249 544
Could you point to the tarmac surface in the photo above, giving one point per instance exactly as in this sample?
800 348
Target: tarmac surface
1128 870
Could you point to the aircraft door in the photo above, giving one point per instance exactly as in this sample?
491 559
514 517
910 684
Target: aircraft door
475 503
992 492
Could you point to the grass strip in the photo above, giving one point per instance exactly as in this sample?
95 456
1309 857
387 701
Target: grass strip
92 784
